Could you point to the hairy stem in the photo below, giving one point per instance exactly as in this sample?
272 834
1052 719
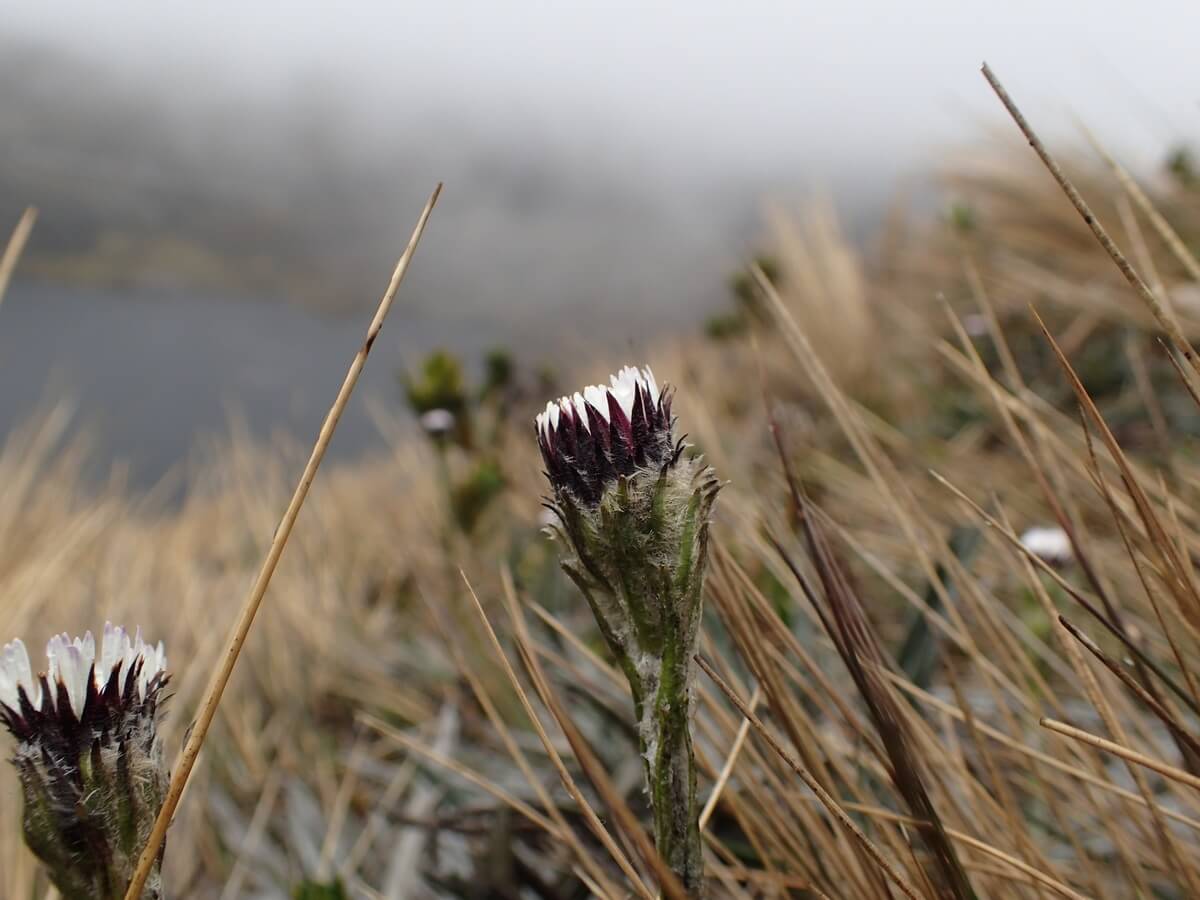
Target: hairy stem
671 772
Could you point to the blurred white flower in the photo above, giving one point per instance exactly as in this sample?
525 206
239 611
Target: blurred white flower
1049 543
438 421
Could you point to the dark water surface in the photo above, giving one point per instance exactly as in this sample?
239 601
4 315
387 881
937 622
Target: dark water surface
151 375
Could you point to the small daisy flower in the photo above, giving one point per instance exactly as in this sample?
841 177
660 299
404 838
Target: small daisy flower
88 755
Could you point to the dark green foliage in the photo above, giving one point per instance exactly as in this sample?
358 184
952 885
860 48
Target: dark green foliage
1181 163
963 218
721 326
745 290
469 468
498 372
748 301
470 497
920 653
313 890
440 384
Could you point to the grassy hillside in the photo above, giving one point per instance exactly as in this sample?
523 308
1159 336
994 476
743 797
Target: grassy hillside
889 424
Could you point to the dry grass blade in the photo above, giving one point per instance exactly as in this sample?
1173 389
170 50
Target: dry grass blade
1039 757
220 678
1175 570
16 244
1168 324
562 829
465 772
593 821
1041 565
983 847
1169 235
1188 744
860 652
852 634
668 882
1125 753
811 783
710 805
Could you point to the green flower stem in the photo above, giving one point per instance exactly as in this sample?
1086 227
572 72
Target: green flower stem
671 773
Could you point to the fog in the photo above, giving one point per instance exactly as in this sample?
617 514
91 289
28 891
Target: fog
605 163
594 153
689 89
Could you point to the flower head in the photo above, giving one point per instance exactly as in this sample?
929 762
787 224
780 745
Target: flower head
88 755
79 690
604 431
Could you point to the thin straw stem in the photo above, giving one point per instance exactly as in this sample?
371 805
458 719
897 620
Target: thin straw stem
220 678
1122 751
1161 315
16 244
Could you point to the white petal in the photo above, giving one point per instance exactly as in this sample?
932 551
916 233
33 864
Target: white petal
87 647
622 386
113 648
581 410
547 421
160 657
624 389
598 397
133 650
72 672
649 382
54 648
14 672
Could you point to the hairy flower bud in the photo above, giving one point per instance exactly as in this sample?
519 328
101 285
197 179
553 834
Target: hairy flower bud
88 756
633 514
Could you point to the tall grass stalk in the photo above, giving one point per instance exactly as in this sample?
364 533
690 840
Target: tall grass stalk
220 677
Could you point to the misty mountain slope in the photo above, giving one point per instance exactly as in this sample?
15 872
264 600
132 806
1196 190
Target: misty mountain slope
146 186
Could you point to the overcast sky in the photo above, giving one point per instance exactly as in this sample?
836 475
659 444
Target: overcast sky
685 85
